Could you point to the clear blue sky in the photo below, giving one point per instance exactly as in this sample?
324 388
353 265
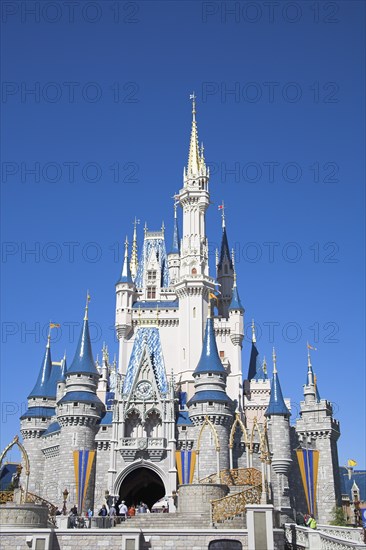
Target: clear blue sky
106 130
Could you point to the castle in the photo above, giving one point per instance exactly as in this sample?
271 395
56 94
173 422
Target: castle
178 383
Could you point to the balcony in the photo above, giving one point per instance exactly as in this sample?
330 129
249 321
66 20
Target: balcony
152 448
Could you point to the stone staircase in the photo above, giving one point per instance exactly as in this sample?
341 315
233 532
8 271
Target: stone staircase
179 521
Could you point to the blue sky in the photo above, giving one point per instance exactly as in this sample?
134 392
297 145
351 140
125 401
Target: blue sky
280 101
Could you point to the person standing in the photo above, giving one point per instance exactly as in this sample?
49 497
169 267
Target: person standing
112 515
123 510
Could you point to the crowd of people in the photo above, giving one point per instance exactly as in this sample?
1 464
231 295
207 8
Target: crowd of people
116 513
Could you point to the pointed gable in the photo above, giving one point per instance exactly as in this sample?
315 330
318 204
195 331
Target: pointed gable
147 341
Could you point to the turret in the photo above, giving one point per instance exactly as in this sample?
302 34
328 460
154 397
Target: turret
225 271
236 314
317 429
61 382
174 254
257 387
194 284
78 412
211 400
278 416
36 419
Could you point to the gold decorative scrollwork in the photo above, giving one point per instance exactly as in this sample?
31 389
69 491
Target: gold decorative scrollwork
234 505
236 476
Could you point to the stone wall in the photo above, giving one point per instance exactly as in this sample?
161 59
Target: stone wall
115 539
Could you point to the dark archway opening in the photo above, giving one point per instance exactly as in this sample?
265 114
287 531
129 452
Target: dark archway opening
142 485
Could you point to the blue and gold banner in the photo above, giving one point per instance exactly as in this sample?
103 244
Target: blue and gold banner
308 462
186 462
83 463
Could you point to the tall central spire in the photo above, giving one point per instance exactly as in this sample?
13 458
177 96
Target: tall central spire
194 152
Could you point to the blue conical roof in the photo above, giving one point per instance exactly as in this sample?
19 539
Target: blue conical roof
126 276
224 252
83 361
63 371
235 300
253 362
277 405
42 389
210 360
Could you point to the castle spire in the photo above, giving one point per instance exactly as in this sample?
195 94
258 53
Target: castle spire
134 256
87 305
235 303
41 387
311 382
254 340
277 405
209 360
253 361
83 362
126 273
176 244
194 152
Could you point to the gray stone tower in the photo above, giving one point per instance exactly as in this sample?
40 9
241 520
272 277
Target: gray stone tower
78 413
210 402
278 417
35 421
317 429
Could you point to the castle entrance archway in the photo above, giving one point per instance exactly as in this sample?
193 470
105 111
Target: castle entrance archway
142 484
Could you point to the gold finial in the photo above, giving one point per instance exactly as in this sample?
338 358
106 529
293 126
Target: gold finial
51 326
87 305
264 365
254 340
274 358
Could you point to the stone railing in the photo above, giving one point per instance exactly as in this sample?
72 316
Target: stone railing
325 537
237 476
347 533
234 505
6 496
143 442
35 499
